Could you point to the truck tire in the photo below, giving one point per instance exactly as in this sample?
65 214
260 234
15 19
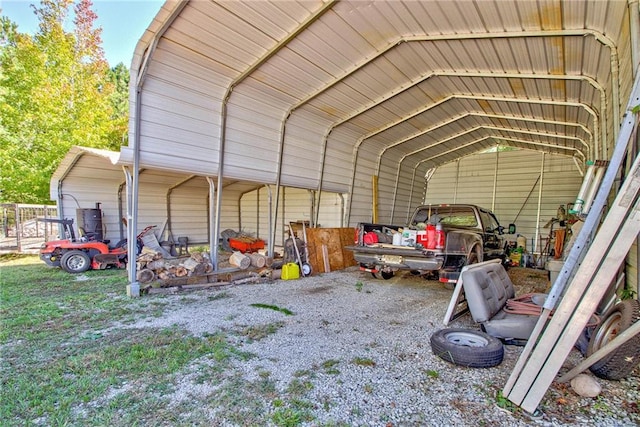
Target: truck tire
75 261
386 275
467 347
622 361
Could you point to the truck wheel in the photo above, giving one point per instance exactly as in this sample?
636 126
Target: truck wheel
75 262
466 347
622 361
386 275
473 258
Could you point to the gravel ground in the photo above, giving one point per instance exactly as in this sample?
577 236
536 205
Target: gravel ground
362 346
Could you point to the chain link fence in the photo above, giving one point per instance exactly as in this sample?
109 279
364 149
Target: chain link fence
23 230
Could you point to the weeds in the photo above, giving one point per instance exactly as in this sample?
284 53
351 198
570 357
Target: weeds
258 332
359 286
363 361
433 374
273 307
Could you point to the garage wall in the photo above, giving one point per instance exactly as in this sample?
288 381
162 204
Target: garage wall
471 180
93 180
296 206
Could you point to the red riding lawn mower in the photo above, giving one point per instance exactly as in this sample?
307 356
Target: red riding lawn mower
79 255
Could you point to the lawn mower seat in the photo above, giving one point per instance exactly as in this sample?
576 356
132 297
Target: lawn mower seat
487 289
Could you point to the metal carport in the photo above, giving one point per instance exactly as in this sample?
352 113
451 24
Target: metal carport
374 101
325 95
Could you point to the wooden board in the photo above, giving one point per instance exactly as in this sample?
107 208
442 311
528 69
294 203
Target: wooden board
618 232
335 239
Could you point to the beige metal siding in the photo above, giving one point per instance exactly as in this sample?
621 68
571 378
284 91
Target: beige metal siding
517 177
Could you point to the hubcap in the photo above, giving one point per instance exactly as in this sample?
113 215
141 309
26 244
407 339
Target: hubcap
466 339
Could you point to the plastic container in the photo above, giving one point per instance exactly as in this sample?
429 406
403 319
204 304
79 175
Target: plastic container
290 271
439 237
409 237
421 237
431 236
397 239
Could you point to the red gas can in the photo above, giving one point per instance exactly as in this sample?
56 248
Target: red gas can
431 236
370 238
439 237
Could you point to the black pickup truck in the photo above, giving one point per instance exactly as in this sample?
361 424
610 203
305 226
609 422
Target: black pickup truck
439 238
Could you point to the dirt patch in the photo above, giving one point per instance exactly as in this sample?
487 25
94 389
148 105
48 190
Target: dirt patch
529 280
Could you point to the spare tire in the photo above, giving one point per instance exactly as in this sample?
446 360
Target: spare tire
467 347
622 361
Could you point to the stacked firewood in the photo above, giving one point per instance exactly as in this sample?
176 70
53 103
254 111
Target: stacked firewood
150 266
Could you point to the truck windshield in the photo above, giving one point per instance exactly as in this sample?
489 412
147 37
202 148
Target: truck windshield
458 216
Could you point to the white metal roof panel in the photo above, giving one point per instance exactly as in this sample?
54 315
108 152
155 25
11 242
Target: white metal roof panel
373 75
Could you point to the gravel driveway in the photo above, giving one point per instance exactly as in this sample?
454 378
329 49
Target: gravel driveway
361 347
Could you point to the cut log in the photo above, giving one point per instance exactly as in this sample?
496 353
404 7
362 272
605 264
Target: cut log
191 264
197 256
164 275
181 271
258 260
156 265
140 265
240 260
145 275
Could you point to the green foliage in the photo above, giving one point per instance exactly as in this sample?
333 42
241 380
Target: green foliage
56 91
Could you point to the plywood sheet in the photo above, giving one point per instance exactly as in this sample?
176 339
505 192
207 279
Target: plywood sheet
335 240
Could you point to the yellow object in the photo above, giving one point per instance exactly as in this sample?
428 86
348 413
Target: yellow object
515 258
290 271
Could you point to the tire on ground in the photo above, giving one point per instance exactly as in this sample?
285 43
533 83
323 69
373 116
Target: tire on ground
75 261
621 362
467 347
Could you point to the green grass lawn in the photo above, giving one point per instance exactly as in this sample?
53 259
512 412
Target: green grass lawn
69 359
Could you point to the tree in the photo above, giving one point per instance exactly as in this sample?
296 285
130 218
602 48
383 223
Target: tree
119 77
55 92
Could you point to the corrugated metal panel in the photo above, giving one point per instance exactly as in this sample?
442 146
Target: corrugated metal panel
377 74
313 59
295 204
472 180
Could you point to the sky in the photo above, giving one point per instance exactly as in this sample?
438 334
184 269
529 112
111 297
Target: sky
123 22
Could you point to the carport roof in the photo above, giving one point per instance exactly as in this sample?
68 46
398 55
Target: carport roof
419 82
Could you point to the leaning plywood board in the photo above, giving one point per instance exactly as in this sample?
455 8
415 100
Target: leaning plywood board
335 239
617 233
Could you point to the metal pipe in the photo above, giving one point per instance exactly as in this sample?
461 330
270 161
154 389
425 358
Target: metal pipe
312 218
322 163
413 183
131 245
455 185
120 210
133 289
271 226
213 236
495 179
535 245
341 209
